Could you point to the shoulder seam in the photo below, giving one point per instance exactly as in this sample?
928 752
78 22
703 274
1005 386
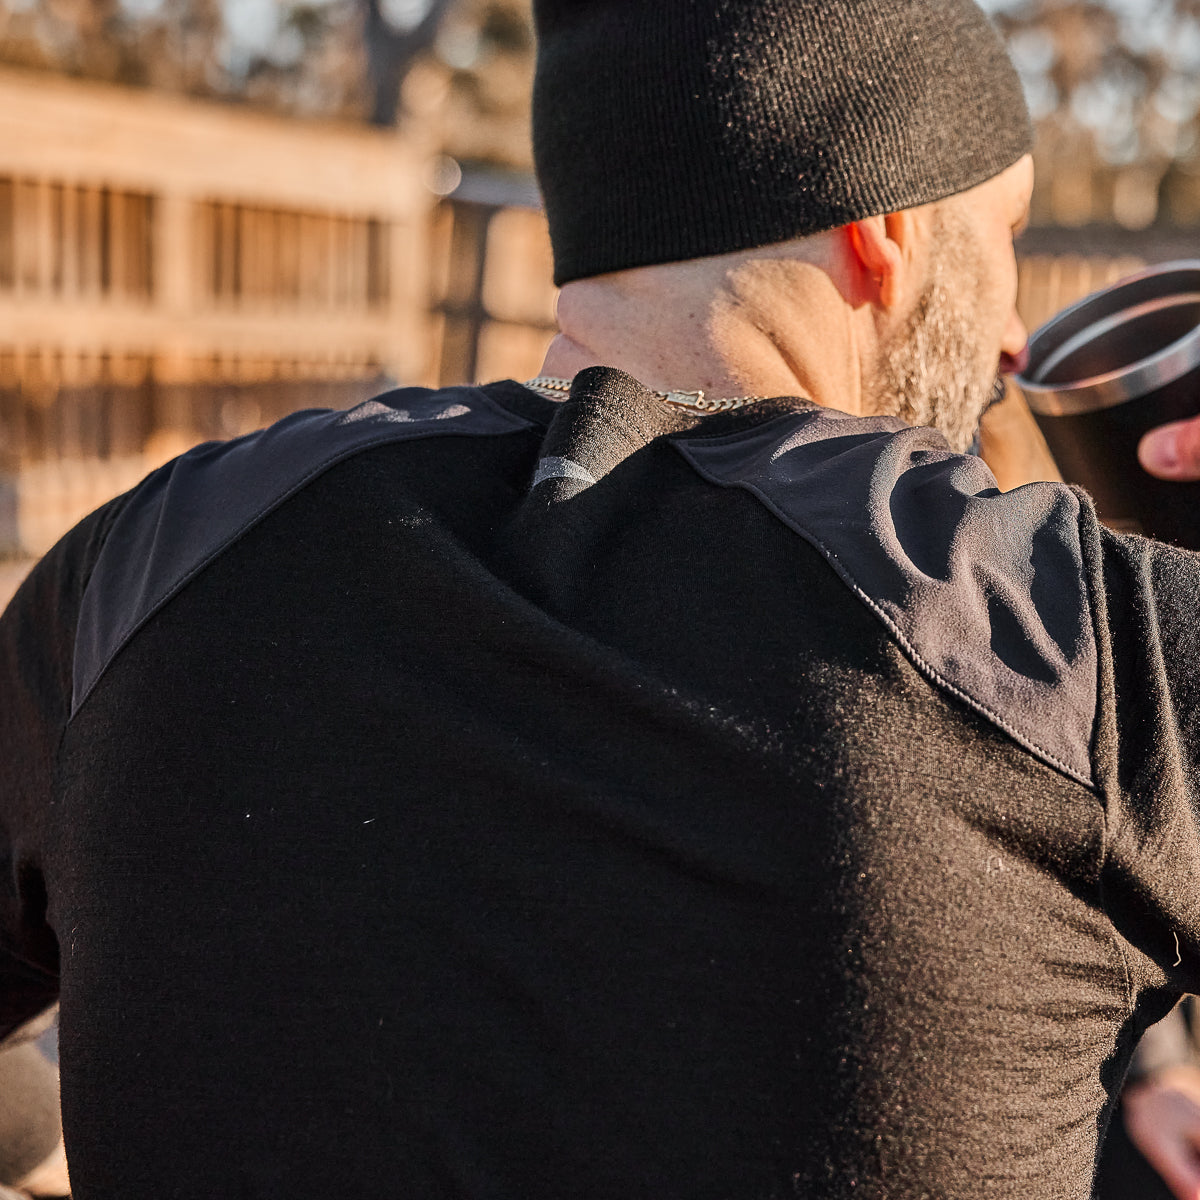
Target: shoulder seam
1093 550
388 433
923 665
1073 761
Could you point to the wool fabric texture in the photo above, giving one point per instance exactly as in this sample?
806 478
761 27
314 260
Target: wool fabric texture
666 130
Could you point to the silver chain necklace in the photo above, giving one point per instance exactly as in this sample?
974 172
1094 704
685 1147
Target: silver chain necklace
554 389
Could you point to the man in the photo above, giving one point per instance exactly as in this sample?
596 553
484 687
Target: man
591 788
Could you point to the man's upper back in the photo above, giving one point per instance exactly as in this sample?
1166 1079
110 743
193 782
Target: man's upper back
477 796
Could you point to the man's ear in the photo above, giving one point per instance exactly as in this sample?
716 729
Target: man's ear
883 247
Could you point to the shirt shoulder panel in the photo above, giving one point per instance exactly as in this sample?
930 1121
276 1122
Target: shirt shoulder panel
985 591
186 513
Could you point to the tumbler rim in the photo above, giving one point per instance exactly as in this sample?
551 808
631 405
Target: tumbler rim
1166 285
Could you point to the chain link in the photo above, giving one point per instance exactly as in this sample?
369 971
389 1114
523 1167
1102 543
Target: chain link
549 385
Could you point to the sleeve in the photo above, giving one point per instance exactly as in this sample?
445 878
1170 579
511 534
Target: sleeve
37 633
1147 755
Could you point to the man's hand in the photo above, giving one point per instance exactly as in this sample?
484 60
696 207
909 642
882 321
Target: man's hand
1172 451
49 1178
1162 1118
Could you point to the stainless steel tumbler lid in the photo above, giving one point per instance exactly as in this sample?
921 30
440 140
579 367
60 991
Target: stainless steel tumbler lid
1116 344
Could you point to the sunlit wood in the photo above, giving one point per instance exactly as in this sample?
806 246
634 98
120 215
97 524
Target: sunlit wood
128 220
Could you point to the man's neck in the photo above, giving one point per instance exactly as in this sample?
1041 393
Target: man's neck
730 326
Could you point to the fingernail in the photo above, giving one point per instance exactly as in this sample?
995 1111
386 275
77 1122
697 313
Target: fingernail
1159 452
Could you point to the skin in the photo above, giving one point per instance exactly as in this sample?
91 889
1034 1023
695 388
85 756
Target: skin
810 317
1173 451
1162 1117
49 1179
25 1067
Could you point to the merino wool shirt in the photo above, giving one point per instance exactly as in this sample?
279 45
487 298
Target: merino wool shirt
474 796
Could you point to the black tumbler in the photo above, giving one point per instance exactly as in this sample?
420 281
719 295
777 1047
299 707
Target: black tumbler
1106 370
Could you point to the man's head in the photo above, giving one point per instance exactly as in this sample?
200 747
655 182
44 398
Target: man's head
886 139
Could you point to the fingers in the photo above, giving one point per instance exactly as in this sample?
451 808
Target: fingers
1162 1117
48 1179
1177 1164
1172 451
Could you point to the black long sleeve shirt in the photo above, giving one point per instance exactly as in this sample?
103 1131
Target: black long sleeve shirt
476 796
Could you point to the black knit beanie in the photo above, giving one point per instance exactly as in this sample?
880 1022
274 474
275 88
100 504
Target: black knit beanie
673 129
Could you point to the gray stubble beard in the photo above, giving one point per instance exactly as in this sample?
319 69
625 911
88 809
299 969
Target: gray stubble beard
932 370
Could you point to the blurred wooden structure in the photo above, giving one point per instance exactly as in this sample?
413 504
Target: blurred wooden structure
1047 283
172 270
492 280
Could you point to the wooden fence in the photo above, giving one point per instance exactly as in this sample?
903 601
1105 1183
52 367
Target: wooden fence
492 289
1047 283
172 270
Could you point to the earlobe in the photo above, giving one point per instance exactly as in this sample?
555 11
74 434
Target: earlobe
877 244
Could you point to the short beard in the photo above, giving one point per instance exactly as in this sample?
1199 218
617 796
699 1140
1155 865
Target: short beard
931 372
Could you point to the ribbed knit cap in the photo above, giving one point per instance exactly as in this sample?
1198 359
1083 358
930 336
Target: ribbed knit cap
673 129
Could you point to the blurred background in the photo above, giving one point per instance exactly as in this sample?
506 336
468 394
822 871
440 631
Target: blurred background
213 212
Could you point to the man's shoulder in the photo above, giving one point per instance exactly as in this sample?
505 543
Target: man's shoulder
987 591
189 511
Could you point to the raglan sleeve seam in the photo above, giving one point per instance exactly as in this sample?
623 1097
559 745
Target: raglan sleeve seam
96 548
1092 554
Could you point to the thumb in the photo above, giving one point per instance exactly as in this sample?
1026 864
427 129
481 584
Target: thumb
1172 451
